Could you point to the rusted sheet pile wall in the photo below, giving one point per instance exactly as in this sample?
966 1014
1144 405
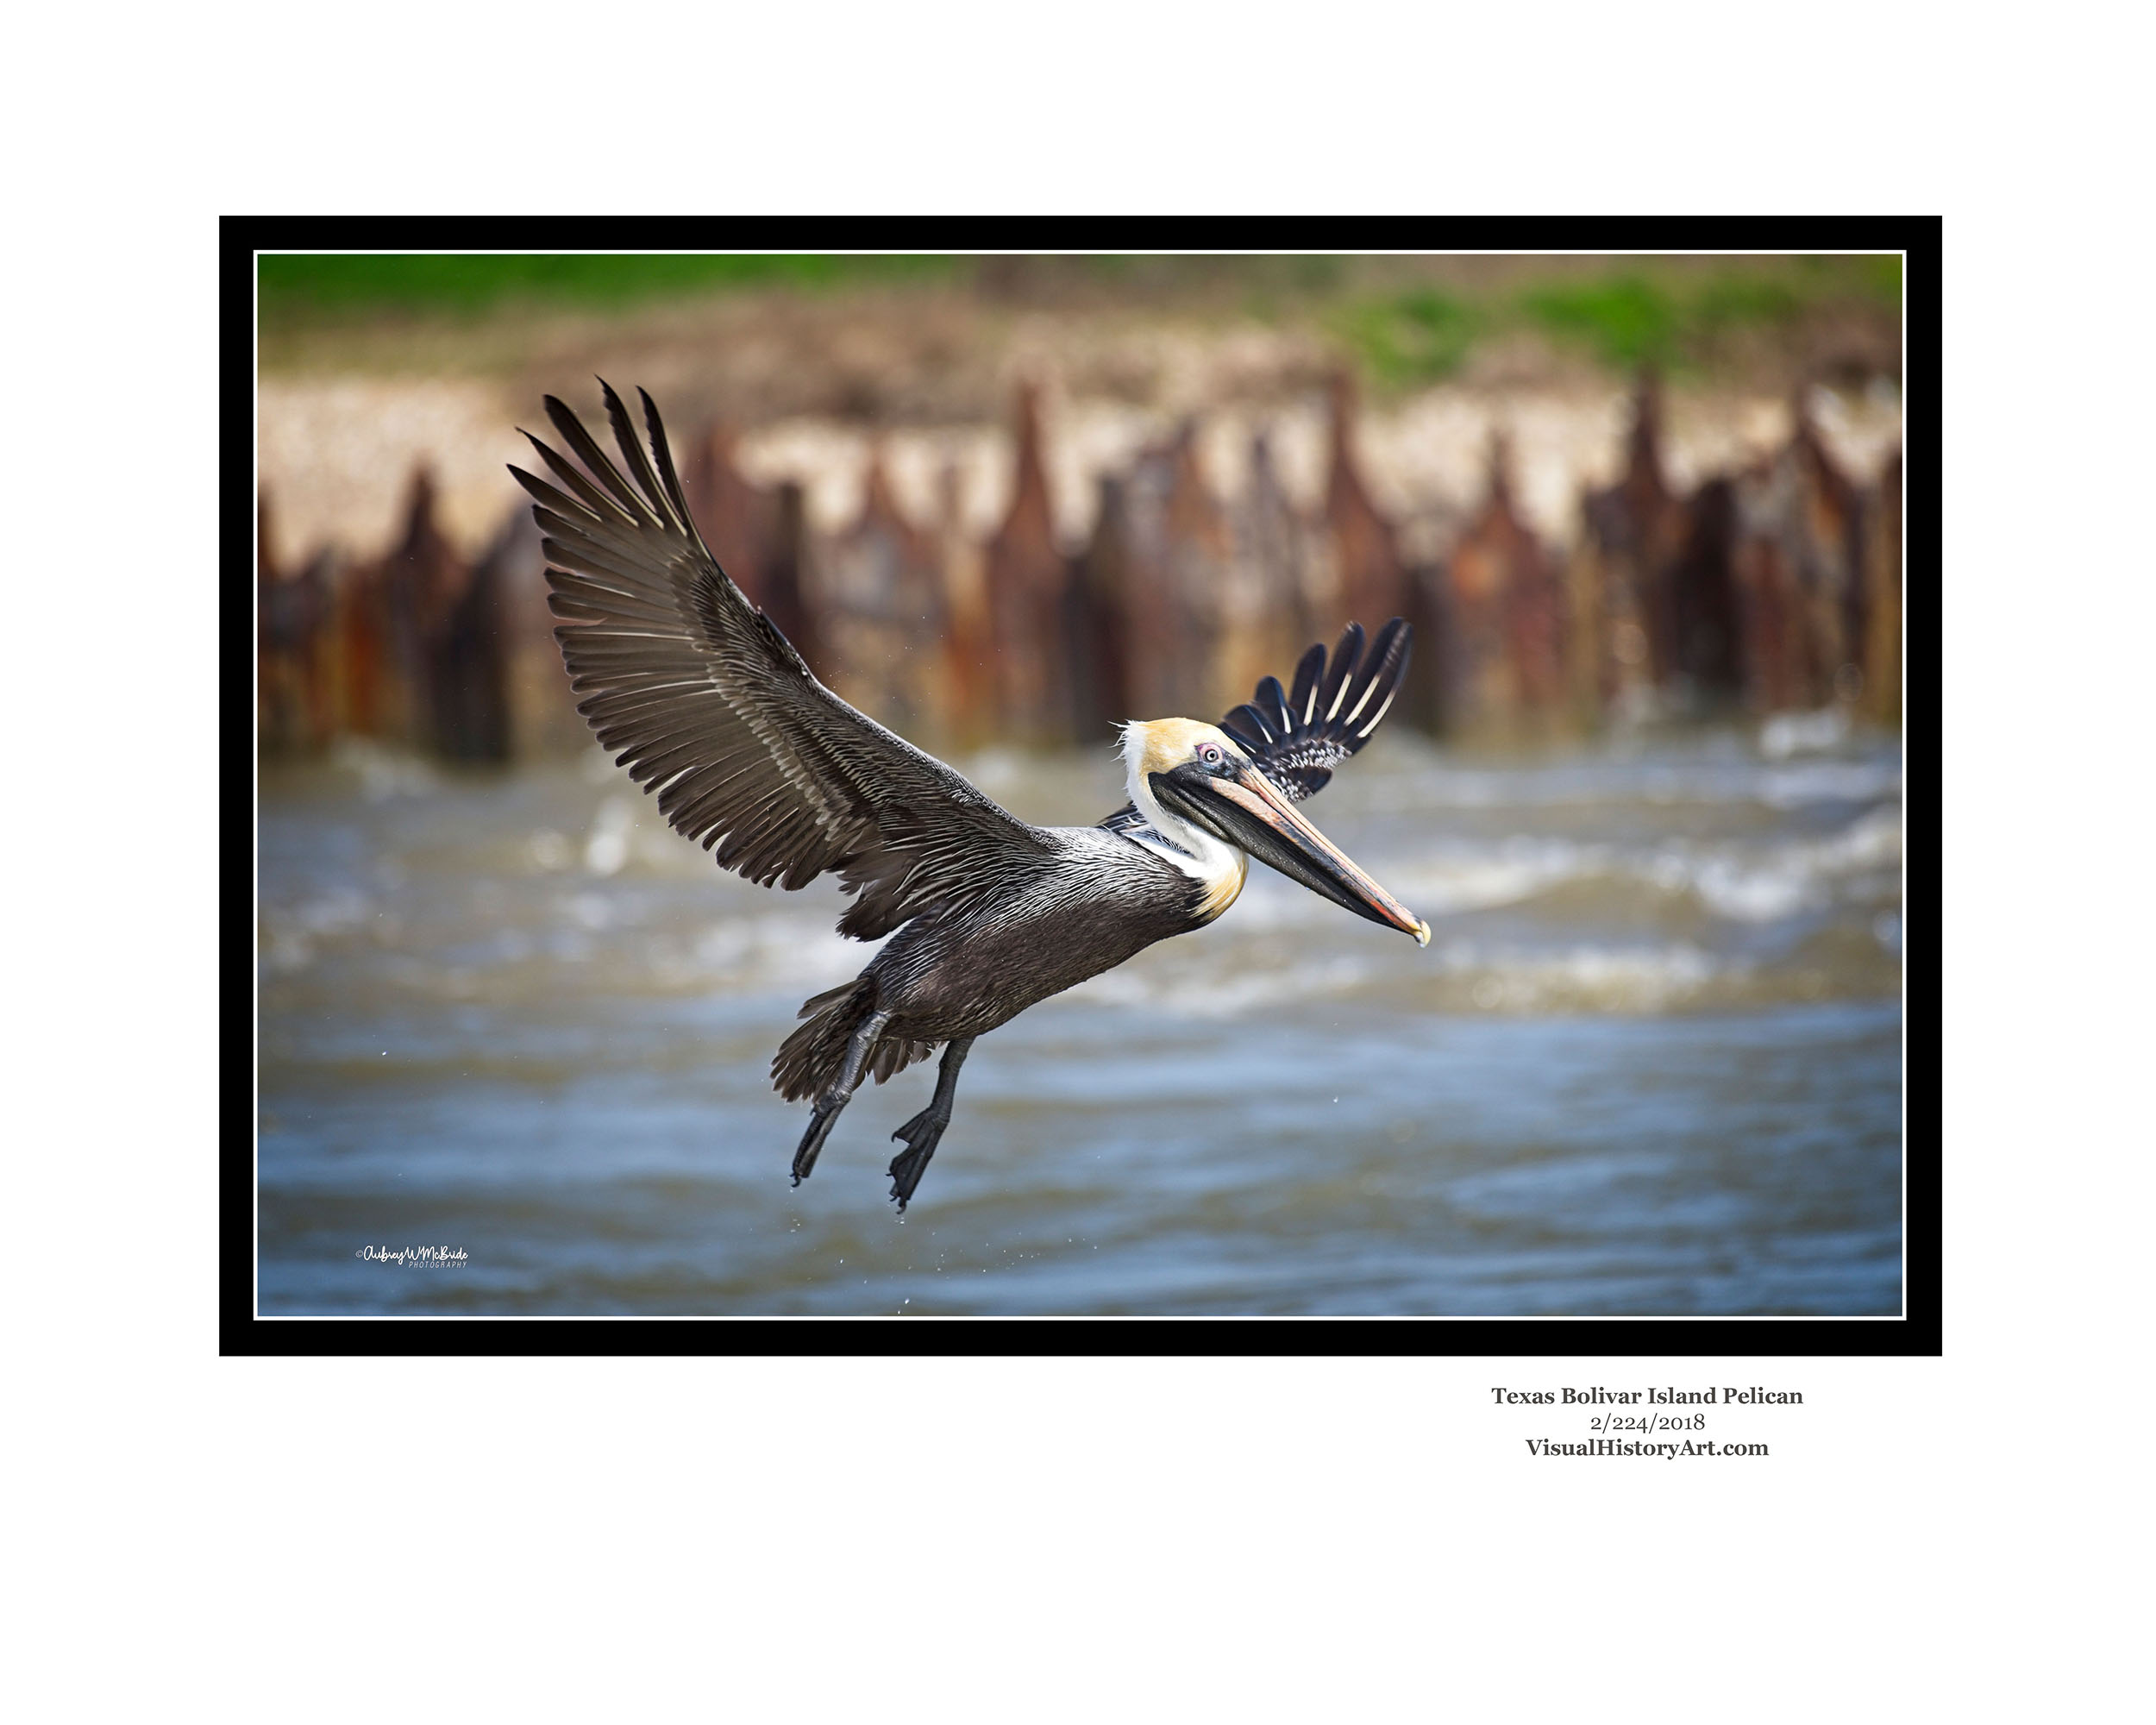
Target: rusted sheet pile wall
1774 586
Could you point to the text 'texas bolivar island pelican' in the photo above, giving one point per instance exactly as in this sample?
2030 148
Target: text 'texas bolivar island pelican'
708 705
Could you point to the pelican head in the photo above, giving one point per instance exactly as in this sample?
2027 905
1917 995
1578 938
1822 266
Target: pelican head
1199 786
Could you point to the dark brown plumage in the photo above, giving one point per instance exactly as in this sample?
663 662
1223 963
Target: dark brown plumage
709 708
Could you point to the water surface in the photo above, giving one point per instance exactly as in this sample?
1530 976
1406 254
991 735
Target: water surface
1650 1063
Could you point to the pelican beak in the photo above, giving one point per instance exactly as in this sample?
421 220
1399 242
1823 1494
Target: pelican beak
1248 810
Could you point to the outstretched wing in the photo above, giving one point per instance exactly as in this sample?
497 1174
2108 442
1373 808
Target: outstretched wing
710 706
1296 737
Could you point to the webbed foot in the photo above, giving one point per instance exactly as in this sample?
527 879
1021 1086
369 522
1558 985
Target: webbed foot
920 1135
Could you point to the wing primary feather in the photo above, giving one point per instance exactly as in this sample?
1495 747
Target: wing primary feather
666 463
1388 653
632 450
1364 735
594 459
610 591
568 549
602 603
1304 699
1296 740
1369 688
1388 664
1344 658
602 508
543 493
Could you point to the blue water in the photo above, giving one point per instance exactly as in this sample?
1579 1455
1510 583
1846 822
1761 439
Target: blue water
1651 1064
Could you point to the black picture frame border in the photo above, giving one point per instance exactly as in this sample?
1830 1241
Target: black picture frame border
1918 1333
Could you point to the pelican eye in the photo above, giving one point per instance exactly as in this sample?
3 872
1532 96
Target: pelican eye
1211 756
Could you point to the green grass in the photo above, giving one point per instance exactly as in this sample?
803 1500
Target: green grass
315 288
299 291
1633 316
1674 313
1412 337
1627 321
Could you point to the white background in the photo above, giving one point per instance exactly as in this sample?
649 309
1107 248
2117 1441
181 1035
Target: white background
188 1536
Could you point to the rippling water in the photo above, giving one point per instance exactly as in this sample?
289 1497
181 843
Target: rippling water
1650 1063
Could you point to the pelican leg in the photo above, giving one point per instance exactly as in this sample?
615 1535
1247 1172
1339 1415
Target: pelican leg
921 1134
827 1107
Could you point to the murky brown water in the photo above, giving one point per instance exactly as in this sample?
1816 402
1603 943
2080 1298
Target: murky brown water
1650 1063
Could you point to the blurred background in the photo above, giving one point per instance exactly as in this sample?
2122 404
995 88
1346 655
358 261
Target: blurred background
1644 780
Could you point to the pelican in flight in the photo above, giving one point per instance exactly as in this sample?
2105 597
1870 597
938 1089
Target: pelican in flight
706 703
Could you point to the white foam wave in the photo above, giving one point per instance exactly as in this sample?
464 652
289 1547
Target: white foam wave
606 847
1830 782
1803 733
754 954
1459 975
382 773
1594 978
1458 878
1800 875
336 911
1738 881
1219 995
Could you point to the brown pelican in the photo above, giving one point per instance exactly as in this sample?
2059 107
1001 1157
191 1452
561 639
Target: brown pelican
709 705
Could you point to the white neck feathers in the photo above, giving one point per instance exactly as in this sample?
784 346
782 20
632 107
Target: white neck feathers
1220 868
